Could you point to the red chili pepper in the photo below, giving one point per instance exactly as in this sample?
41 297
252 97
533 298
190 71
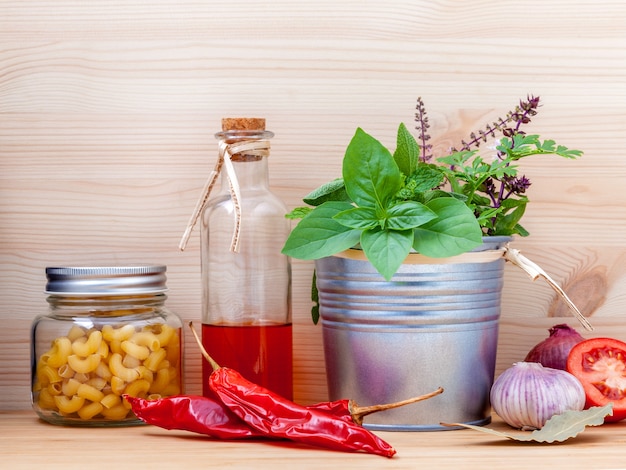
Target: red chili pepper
192 413
278 417
212 418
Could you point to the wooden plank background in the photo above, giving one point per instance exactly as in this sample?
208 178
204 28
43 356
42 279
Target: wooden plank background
108 109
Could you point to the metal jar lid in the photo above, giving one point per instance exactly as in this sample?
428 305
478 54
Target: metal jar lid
106 280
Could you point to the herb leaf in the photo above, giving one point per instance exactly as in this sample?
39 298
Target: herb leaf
369 172
358 217
318 234
523 145
406 215
407 152
298 213
514 210
425 177
386 249
454 231
315 298
334 190
559 428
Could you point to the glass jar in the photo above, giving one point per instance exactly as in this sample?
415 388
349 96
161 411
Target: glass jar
246 305
107 333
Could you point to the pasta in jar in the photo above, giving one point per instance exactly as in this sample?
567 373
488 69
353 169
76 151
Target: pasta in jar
86 359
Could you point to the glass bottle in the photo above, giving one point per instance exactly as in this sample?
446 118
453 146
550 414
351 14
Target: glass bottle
246 303
107 333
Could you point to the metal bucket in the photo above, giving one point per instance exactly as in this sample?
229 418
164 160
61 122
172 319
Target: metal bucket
435 324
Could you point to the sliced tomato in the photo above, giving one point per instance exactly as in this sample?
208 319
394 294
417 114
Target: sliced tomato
600 365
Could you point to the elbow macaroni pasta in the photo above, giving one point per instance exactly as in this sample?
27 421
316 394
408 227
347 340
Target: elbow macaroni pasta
119 370
90 410
135 350
84 347
148 339
155 358
85 373
88 392
60 351
117 334
83 365
75 333
139 387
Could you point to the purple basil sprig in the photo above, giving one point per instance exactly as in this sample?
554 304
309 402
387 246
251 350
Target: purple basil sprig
493 189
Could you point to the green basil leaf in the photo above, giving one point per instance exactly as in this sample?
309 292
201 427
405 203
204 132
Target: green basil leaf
369 172
318 235
407 152
437 193
358 217
408 214
454 231
386 249
332 191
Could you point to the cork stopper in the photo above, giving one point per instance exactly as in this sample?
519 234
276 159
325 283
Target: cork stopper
243 124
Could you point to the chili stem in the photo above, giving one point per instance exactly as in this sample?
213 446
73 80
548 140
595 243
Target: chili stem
359 412
204 352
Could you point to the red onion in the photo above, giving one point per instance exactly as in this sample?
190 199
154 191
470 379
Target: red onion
553 351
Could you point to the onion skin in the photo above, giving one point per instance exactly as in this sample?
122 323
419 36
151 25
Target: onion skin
553 351
527 395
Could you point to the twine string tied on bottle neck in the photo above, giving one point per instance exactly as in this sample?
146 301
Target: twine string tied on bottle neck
254 148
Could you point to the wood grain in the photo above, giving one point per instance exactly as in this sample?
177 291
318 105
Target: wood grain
149 446
108 109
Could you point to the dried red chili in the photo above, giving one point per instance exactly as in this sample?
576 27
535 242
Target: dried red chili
212 418
197 414
278 417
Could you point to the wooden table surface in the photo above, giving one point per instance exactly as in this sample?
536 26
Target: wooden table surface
27 442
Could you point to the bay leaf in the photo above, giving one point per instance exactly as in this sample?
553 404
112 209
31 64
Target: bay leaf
559 428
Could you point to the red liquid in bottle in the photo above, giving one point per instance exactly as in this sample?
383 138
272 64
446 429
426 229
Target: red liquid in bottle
262 354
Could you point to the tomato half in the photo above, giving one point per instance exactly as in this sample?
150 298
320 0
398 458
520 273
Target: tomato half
600 365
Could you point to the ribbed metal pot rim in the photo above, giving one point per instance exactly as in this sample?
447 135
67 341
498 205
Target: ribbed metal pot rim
106 280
